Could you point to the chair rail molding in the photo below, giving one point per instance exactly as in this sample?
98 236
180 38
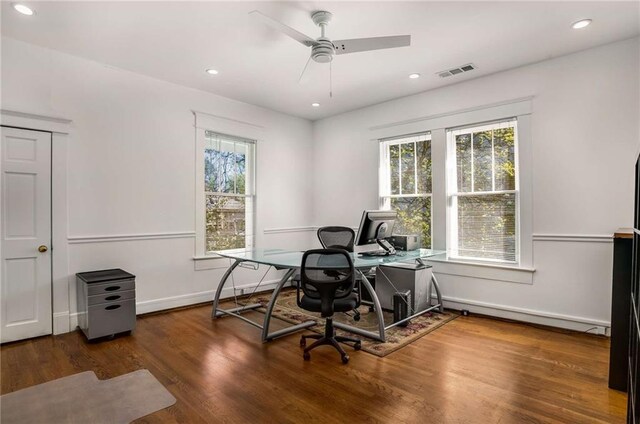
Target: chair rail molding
130 237
283 230
576 238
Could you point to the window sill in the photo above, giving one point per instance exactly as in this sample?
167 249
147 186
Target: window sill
482 270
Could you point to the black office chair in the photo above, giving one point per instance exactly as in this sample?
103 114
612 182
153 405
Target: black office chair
327 278
337 237
340 238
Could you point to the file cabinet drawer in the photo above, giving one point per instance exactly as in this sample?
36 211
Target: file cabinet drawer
110 287
111 297
110 318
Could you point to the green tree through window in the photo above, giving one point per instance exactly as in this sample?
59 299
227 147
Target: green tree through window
484 200
406 184
227 200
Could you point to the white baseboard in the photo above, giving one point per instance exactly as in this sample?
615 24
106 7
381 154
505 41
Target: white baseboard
65 322
155 305
201 297
568 322
61 323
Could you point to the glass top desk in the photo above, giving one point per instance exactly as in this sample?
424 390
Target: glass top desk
291 261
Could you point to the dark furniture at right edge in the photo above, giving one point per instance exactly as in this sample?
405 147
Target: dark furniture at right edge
633 414
620 302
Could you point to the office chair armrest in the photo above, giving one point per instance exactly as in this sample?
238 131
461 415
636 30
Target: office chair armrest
298 299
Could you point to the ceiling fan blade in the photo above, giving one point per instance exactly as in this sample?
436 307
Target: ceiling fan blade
374 43
296 35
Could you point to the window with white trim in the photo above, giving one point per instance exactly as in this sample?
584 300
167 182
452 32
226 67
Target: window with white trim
483 192
229 194
405 183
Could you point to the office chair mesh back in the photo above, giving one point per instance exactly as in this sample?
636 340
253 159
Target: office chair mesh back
331 275
337 237
327 274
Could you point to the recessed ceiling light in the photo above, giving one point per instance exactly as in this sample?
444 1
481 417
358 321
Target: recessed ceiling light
414 76
581 24
21 8
315 104
212 72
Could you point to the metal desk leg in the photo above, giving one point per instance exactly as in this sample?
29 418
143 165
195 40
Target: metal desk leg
378 310
266 336
438 293
226 275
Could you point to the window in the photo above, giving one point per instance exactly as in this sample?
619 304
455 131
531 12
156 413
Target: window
228 191
482 181
405 183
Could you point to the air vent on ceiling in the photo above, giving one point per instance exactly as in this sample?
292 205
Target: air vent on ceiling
454 71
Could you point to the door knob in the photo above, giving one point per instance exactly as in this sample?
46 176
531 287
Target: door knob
42 248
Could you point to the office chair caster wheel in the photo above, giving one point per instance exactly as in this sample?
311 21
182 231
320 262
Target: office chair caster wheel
356 317
303 342
345 359
306 356
357 346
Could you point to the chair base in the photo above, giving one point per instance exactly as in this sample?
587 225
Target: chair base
328 338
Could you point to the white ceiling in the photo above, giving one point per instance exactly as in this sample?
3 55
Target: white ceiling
177 41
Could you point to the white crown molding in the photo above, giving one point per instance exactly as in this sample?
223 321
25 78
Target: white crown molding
130 237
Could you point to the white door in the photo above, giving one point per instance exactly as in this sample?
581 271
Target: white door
25 279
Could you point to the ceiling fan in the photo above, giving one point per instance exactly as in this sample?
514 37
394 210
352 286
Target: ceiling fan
323 49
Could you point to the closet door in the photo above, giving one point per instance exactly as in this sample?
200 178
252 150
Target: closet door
25 280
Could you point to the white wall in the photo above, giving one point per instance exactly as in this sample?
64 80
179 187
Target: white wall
131 171
585 137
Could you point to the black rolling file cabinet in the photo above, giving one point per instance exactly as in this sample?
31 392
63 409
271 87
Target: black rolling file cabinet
106 302
620 301
633 411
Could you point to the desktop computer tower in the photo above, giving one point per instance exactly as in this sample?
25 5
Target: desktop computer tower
402 277
405 242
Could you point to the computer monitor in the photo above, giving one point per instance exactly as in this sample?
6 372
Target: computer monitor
375 226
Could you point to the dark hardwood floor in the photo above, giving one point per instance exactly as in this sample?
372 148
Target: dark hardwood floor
472 370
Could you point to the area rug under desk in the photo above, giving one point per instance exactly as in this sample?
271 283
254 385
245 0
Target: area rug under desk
83 398
286 309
